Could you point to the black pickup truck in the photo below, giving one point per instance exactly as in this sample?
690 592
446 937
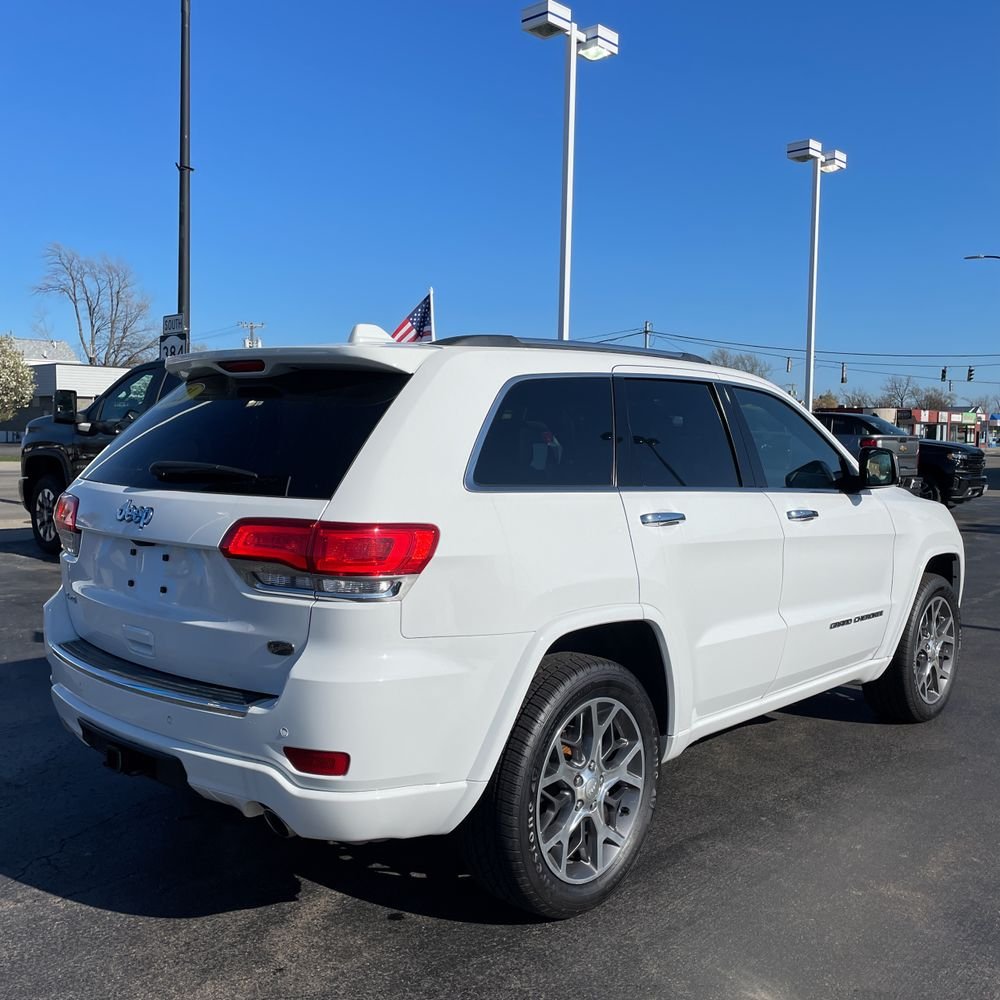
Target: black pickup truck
949 472
56 448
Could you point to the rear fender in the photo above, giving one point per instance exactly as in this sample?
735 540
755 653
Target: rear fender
499 729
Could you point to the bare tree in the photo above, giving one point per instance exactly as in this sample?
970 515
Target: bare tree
983 401
858 397
742 362
897 390
828 400
933 399
111 311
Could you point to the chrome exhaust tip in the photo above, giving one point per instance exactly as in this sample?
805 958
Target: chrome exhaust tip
277 825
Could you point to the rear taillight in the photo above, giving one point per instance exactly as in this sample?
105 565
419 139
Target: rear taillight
869 442
64 517
345 560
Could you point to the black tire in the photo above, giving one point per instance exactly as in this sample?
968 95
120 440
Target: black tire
901 694
930 490
43 503
504 843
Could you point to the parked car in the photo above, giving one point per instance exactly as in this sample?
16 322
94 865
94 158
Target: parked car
387 591
948 472
56 448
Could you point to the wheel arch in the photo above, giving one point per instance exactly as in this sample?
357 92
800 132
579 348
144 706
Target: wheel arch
636 645
949 566
43 463
623 634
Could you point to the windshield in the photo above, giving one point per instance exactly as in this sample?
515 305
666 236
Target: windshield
292 435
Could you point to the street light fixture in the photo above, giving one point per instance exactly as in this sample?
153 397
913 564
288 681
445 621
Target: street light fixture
545 20
983 256
827 162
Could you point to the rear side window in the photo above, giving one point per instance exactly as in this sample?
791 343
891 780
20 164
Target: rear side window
674 436
292 435
550 433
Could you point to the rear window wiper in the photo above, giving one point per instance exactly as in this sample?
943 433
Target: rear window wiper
200 472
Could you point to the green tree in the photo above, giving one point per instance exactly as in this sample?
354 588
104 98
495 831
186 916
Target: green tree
17 380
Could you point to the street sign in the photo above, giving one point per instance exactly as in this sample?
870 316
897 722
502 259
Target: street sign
172 345
175 336
173 324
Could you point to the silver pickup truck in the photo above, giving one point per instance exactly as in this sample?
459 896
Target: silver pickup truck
864 430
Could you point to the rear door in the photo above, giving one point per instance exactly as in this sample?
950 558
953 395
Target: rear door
709 550
837 568
149 582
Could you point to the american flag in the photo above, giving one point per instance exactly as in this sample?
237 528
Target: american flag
416 326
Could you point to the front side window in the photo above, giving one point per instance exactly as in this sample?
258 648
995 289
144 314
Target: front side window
674 436
550 433
793 454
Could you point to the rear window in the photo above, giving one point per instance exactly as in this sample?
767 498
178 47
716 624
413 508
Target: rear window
881 426
292 435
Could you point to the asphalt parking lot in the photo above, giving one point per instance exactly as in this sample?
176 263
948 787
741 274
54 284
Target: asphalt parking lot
812 853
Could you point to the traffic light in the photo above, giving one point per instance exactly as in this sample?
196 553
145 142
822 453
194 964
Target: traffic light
788 364
971 375
944 374
843 372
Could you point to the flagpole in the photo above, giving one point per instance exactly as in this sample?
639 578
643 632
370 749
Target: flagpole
430 293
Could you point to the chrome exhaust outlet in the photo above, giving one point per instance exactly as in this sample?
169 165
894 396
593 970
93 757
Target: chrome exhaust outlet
277 825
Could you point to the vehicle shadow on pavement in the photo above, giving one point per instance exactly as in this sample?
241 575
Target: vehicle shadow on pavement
983 529
73 829
843 704
21 541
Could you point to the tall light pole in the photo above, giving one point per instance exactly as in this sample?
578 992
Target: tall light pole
826 162
544 20
184 170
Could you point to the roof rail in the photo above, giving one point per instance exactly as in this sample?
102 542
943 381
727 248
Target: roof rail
506 340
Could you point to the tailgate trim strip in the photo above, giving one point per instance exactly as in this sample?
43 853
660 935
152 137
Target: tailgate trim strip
86 658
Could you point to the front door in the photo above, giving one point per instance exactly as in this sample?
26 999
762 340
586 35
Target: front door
837 583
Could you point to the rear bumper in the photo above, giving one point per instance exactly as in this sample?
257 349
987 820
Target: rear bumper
253 785
412 713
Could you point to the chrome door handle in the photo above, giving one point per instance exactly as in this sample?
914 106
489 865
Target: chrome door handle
803 515
662 518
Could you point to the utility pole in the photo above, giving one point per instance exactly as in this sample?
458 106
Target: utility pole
251 341
647 329
185 170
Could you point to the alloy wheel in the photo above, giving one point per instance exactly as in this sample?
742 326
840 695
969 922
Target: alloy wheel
935 650
591 787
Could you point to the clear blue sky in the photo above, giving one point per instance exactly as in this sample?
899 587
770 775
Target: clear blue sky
348 155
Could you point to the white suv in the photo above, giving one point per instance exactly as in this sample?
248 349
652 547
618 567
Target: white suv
378 591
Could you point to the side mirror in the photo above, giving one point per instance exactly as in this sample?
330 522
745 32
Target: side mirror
64 402
877 468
